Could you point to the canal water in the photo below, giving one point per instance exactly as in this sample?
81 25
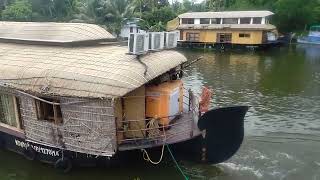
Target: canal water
282 127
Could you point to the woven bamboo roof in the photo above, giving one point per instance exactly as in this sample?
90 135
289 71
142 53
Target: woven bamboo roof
226 26
92 71
52 32
226 14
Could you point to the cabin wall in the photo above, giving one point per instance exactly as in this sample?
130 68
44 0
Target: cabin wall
130 114
88 125
210 36
37 130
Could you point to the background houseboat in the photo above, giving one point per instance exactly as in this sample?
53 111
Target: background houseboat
69 96
313 36
225 29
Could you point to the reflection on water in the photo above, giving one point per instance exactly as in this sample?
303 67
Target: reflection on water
282 86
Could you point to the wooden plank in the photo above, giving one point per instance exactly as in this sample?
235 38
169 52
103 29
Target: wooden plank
12 130
18 120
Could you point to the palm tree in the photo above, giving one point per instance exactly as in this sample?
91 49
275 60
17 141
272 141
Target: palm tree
117 12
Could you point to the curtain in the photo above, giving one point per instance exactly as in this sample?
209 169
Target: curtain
7 110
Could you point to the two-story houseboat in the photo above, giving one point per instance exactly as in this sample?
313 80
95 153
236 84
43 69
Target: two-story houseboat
69 95
225 29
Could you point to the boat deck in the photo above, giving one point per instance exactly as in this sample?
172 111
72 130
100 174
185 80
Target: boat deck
181 129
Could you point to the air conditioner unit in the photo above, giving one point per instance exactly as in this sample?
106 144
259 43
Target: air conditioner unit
138 43
156 41
171 39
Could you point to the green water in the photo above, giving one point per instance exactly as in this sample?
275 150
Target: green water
282 141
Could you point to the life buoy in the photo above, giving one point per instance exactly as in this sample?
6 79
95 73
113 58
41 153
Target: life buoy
205 99
63 164
29 153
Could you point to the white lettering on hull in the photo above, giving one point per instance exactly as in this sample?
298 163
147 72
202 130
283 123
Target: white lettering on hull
38 149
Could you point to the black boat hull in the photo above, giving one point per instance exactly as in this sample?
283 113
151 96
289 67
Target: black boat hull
224 135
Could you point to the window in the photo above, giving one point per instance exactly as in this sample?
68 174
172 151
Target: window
257 20
204 21
9 113
131 29
230 21
48 112
216 21
187 21
224 37
193 36
244 35
245 20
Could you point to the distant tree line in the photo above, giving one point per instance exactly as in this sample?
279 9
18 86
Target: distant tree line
290 15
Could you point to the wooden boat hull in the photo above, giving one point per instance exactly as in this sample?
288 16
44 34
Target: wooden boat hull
224 135
51 155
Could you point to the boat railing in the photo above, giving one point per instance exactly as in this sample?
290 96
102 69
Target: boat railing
150 132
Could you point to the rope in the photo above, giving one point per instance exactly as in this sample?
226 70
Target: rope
175 161
147 158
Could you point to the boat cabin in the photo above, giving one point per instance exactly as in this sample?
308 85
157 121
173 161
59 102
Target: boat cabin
227 27
69 87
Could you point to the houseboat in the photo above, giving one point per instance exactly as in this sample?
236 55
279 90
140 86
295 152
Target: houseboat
313 36
250 29
69 95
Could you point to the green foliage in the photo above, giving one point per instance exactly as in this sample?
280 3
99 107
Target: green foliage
294 15
290 15
157 19
20 10
114 13
54 10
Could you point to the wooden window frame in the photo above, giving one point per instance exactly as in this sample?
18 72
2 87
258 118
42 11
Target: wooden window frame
244 35
16 107
226 37
49 112
193 36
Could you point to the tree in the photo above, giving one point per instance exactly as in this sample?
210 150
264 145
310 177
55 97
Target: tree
20 10
293 15
157 19
114 13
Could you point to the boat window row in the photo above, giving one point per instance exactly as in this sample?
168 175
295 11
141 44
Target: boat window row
222 37
254 20
10 111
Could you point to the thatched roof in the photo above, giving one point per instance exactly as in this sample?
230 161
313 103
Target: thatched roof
94 71
52 32
226 14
